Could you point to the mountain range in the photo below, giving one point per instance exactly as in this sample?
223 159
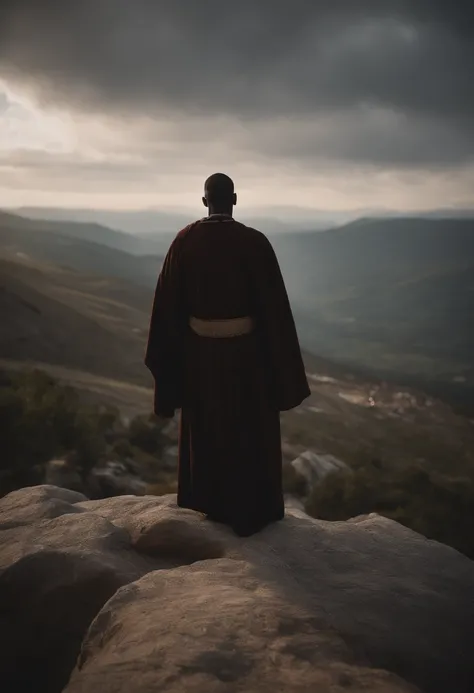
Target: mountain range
80 310
86 248
152 224
391 297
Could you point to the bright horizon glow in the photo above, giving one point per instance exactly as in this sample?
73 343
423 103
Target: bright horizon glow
65 160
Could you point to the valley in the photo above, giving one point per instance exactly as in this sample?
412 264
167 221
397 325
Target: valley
63 314
78 311
392 298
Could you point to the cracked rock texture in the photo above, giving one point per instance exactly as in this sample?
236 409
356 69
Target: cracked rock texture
133 594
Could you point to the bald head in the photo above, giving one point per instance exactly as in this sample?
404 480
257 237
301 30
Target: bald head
219 195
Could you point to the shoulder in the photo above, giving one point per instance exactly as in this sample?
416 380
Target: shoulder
256 237
261 245
187 230
175 249
180 238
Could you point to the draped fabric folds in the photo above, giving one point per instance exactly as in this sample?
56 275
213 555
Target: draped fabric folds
230 390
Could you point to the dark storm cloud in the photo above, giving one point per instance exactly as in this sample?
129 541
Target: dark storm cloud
255 59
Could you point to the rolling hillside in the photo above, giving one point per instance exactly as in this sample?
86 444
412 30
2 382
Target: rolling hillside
64 318
90 332
390 298
154 228
83 229
141 228
369 254
55 244
411 455
393 296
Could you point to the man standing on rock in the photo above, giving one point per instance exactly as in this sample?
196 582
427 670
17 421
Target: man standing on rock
223 348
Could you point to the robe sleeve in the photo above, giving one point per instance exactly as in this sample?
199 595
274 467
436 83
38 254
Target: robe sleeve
166 335
286 372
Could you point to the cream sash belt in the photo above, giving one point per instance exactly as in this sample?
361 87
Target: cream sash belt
232 327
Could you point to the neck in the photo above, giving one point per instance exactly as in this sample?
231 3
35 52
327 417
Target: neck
218 210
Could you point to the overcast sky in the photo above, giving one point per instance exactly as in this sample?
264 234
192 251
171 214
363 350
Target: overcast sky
335 104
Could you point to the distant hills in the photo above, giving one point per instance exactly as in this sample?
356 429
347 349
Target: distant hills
90 332
392 297
86 248
368 255
56 222
135 229
80 310
70 298
157 227
63 318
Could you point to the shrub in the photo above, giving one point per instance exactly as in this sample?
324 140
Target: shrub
146 433
42 419
162 488
438 506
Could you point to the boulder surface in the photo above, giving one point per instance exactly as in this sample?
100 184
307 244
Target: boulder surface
133 593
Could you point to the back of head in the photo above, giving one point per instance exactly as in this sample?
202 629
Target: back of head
219 195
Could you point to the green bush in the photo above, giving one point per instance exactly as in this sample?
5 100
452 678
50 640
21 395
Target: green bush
121 448
162 488
42 419
438 506
146 433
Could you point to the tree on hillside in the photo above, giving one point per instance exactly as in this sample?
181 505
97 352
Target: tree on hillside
43 419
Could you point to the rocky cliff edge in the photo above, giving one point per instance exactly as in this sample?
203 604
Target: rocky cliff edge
132 594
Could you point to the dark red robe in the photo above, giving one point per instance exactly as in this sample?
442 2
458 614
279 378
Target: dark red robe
230 390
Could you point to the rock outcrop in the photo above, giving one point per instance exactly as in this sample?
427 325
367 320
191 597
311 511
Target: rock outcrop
104 481
313 467
113 479
133 594
64 474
